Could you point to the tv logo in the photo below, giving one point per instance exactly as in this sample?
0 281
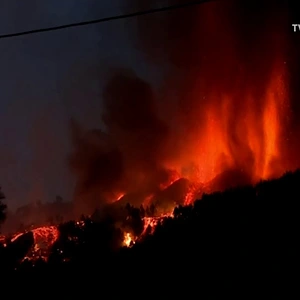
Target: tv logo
296 27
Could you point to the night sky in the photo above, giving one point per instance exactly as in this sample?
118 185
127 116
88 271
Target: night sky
49 77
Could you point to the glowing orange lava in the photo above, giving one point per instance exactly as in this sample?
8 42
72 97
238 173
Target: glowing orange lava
44 238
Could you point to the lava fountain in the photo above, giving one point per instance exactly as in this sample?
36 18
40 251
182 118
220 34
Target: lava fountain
220 118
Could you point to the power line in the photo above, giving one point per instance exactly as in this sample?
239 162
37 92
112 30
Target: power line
107 19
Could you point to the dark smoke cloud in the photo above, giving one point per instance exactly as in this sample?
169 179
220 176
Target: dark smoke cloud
129 156
97 164
220 48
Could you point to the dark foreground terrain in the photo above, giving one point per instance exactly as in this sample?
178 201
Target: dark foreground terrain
233 237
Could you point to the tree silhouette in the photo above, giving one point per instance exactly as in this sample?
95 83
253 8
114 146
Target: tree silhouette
2 207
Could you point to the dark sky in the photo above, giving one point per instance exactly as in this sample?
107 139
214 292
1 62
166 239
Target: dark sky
47 78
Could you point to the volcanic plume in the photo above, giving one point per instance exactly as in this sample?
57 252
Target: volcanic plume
220 117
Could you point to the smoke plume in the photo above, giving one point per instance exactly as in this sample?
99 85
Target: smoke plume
129 157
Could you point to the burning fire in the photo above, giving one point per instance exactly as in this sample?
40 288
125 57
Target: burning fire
128 239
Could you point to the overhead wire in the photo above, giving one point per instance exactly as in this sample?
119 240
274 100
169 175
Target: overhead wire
106 19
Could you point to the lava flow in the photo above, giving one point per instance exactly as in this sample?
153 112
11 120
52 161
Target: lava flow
43 239
150 224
